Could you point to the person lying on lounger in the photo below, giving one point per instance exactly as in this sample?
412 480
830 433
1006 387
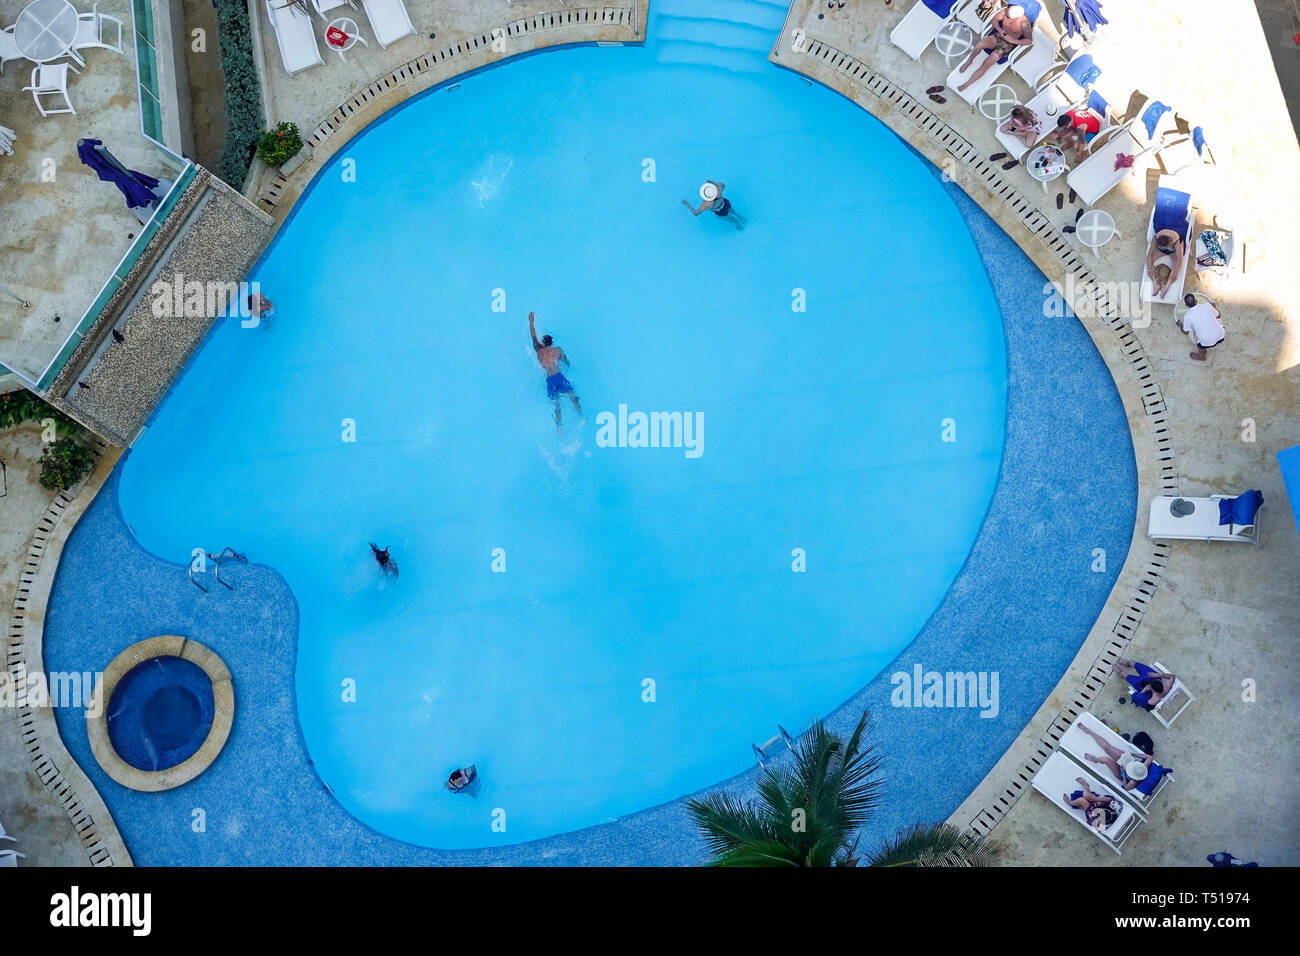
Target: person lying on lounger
1010 28
1149 686
1167 249
1024 125
1100 810
1138 772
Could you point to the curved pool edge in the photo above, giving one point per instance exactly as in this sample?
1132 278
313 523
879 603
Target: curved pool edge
63 777
1140 570
1121 351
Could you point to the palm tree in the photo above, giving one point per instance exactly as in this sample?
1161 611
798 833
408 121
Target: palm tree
810 814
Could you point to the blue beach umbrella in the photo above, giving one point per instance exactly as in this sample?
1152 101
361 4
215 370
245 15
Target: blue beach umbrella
1288 460
137 187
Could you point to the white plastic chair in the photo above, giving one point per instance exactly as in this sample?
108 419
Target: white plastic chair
294 35
6 836
10 858
48 79
91 29
389 20
8 47
1162 711
325 6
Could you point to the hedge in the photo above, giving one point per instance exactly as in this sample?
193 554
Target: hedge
243 92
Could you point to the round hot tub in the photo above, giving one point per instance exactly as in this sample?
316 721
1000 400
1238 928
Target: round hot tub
160 713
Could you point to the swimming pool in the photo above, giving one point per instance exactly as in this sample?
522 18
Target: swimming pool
650 621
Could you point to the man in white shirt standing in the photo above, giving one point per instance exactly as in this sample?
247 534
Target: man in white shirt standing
1202 321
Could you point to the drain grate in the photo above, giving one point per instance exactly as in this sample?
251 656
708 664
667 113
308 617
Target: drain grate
36 730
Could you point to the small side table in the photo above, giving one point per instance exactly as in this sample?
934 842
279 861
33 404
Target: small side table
996 102
1045 163
349 26
954 41
1095 228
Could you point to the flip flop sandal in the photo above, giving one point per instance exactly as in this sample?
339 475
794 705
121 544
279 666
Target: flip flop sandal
937 98
996 156
1011 164
1074 197
935 89
1060 200
1078 215
1068 229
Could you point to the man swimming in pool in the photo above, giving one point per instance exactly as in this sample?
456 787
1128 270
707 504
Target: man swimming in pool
556 384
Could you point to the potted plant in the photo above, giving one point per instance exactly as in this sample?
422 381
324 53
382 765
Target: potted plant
277 146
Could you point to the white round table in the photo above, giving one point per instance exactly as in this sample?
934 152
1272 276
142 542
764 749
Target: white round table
1095 228
1045 163
954 40
45 29
348 26
996 102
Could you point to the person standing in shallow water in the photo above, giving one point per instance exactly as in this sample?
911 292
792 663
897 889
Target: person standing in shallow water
386 563
711 198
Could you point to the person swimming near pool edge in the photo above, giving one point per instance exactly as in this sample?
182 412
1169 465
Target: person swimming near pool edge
711 198
386 563
549 357
261 308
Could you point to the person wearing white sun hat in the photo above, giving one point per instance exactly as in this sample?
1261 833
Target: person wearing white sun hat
1138 772
711 198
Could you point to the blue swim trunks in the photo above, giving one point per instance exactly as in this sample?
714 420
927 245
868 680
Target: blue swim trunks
557 385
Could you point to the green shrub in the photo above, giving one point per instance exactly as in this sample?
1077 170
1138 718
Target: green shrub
243 92
277 146
64 463
22 406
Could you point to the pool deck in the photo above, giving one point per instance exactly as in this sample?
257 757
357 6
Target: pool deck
1217 614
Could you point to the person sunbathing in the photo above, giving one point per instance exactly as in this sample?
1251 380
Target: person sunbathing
1167 249
1009 29
1149 686
1024 125
1138 772
1099 810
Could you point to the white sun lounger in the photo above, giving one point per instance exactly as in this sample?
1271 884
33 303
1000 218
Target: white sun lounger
6 836
1201 525
1097 175
1058 94
1039 59
1058 777
389 20
1173 209
10 858
920 25
1164 711
1078 745
294 35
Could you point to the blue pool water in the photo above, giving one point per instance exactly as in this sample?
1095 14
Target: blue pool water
160 712
650 622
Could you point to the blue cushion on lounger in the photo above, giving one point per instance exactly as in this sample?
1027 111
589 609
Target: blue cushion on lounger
1241 510
1172 206
1151 117
942 7
1082 70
